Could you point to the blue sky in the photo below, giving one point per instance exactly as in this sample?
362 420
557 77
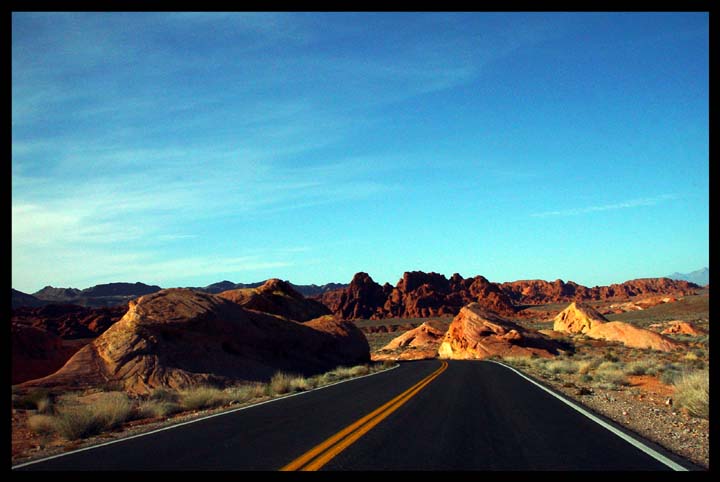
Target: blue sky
182 149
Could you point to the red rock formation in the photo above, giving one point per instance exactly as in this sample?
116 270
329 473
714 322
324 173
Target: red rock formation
539 292
632 336
362 299
578 318
416 344
69 321
35 352
179 337
421 295
478 333
343 337
534 292
417 295
279 298
679 327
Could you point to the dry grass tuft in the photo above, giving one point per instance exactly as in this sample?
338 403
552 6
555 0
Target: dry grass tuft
73 422
692 392
202 397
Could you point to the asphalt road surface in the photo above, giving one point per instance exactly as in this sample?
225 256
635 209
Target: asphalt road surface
424 415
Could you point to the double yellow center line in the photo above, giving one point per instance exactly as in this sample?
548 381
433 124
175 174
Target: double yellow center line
322 453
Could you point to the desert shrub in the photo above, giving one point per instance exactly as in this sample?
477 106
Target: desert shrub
692 392
639 367
612 376
610 356
280 383
201 397
112 409
245 393
387 364
668 373
538 363
562 366
300 384
163 395
78 421
516 361
359 370
341 372
608 366
41 424
584 367
156 408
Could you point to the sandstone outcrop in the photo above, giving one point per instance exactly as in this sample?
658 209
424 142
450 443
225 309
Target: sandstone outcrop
478 333
679 327
179 337
416 344
578 319
632 336
279 298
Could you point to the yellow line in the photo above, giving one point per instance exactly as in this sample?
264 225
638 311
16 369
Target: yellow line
325 451
349 440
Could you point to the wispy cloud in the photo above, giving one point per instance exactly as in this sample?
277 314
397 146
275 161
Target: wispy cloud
632 203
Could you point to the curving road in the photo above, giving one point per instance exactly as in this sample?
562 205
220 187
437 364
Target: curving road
424 415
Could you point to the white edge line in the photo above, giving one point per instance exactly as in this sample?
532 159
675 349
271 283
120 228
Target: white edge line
24 464
654 454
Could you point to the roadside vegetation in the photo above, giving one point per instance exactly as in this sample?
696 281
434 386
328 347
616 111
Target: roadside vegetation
79 415
613 367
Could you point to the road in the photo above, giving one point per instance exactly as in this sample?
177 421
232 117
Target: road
424 415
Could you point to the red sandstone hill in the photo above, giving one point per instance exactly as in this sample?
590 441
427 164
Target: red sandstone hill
278 298
420 294
179 337
69 321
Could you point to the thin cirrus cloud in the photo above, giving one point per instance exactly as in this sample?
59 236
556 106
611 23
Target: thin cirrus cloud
632 203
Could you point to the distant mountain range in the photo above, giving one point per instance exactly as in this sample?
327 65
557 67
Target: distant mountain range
113 294
700 277
305 290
